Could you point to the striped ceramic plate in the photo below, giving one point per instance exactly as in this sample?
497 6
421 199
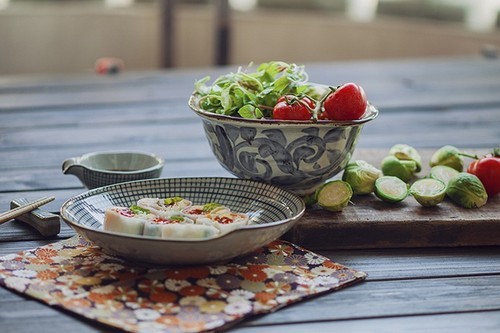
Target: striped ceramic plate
272 212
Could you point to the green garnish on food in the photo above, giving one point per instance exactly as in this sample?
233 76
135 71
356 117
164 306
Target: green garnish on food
139 210
208 207
252 94
172 201
177 218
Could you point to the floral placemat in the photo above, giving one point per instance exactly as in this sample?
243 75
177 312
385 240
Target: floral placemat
79 277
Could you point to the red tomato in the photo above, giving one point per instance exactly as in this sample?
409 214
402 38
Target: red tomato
289 107
487 169
322 116
348 102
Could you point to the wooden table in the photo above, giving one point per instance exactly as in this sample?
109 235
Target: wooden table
426 103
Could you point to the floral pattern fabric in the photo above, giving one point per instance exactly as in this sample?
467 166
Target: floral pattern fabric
79 277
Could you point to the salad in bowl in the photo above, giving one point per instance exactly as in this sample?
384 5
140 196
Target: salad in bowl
272 125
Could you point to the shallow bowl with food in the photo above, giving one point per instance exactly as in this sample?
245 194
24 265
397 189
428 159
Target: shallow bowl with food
295 155
272 211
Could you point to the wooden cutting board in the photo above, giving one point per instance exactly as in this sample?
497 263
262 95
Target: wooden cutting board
371 223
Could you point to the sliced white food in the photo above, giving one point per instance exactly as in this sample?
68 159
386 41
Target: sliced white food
155 226
123 220
227 221
196 212
164 207
189 231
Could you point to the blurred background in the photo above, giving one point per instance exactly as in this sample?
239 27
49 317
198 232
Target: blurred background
64 36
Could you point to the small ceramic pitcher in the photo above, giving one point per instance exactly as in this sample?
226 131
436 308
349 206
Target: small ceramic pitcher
104 168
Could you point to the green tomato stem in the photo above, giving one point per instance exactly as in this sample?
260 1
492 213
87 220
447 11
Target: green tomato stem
474 157
495 153
319 104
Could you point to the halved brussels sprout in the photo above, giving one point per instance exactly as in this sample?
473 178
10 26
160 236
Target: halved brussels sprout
334 195
428 191
467 191
443 173
449 156
405 152
403 169
361 175
391 189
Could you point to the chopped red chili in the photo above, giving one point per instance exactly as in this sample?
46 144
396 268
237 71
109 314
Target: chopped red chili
223 219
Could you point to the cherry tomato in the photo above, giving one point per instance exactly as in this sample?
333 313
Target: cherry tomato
348 102
290 107
322 116
487 169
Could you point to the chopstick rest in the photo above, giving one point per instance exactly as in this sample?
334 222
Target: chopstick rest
46 223
15 212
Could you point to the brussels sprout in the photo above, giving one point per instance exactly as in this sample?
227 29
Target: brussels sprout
428 191
309 199
361 176
443 173
403 169
467 191
334 195
391 189
405 152
449 156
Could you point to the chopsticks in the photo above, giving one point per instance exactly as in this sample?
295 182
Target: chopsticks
13 213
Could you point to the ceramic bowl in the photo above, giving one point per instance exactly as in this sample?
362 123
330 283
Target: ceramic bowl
272 212
295 155
105 168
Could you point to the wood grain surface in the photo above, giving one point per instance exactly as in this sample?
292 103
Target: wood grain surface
368 222
426 272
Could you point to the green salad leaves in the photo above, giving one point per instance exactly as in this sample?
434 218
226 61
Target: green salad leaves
253 94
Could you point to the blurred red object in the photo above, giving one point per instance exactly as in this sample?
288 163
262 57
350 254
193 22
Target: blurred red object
108 66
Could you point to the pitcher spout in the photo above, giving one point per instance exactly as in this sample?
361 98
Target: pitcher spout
72 166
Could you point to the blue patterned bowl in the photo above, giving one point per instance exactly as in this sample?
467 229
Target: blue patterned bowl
295 155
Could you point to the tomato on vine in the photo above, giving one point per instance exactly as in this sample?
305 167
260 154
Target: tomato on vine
487 169
290 107
347 102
